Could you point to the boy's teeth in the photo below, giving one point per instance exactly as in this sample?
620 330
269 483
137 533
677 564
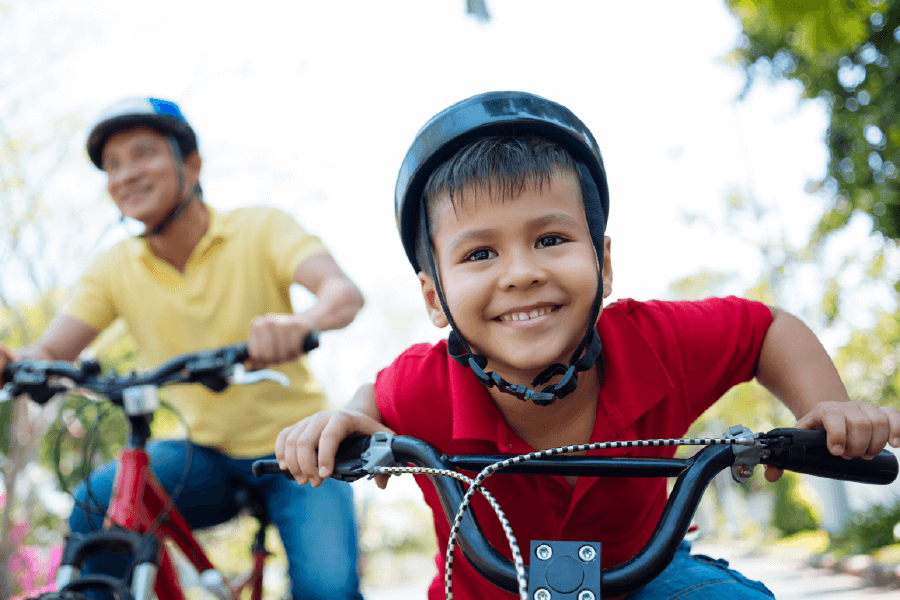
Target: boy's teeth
523 316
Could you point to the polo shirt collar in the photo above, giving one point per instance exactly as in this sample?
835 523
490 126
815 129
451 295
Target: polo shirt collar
475 416
217 232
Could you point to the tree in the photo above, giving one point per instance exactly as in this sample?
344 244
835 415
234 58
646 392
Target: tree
46 232
846 53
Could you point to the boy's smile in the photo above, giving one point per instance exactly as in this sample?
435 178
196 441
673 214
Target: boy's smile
519 274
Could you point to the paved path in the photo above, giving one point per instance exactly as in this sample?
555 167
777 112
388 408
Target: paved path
789 579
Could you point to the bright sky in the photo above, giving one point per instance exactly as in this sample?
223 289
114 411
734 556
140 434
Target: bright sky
310 106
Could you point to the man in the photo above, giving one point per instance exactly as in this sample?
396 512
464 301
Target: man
200 278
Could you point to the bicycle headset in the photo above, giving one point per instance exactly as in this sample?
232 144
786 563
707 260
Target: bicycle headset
506 113
163 116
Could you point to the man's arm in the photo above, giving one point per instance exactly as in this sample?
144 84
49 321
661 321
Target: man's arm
795 367
278 338
339 300
64 339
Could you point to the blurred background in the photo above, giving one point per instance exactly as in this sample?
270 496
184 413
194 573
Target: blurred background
751 147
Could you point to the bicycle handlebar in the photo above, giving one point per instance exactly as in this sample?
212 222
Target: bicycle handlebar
212 368
791 449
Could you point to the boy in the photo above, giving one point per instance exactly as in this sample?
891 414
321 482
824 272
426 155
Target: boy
502 204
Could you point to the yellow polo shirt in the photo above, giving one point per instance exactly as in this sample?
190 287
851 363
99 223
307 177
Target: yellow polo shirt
242 268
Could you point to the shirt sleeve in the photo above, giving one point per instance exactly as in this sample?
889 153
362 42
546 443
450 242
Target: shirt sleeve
718 344
289 244
408 401
91 300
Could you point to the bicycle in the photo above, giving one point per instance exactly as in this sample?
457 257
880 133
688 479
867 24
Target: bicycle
565 569
142 516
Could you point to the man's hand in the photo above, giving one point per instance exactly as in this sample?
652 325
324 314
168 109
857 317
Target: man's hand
6 355
308 448
855 429
277 339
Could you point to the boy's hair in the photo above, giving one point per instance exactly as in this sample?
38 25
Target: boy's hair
501 166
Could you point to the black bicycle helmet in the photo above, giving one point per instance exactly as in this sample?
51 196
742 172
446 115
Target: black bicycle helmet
505 113
161 115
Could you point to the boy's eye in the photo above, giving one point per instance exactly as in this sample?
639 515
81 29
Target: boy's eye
550 240
481 254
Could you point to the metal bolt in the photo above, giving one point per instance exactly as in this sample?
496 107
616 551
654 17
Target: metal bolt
541 594
543 552
587 553
585 595
745 471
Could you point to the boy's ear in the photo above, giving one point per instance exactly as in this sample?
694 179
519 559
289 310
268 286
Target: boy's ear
432 304
607 272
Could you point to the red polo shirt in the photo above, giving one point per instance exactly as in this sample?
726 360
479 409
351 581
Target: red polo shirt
666 362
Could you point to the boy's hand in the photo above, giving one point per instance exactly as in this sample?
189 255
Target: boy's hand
308 448
854 429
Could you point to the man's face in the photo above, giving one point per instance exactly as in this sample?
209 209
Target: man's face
519 275
141 175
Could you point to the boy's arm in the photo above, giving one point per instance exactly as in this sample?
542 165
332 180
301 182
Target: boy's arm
307 448
795 367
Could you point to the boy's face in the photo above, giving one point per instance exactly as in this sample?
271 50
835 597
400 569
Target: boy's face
519 275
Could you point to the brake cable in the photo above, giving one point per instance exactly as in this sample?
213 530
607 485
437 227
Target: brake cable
377 463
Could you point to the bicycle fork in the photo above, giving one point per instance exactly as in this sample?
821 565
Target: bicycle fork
144 549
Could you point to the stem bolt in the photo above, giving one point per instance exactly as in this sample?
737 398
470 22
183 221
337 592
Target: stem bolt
587 554
542 594
543 552
586 595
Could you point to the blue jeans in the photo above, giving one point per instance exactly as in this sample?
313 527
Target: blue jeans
316 525
699 577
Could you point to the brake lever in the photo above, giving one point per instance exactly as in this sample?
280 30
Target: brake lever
784 437
241 376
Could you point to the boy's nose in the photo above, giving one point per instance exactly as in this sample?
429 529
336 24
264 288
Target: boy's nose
521 270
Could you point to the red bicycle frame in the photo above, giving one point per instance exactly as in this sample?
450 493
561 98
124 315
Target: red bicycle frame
139 502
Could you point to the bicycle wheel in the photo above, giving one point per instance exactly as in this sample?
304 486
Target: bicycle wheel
61 596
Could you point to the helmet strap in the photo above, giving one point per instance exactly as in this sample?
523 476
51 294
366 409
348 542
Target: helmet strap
179 208
589 350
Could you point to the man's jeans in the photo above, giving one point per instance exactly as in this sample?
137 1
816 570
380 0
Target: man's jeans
316 525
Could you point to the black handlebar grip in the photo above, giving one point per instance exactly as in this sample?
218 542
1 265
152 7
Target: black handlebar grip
818 461
311 341
242 352
268 467
348 462
242 349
